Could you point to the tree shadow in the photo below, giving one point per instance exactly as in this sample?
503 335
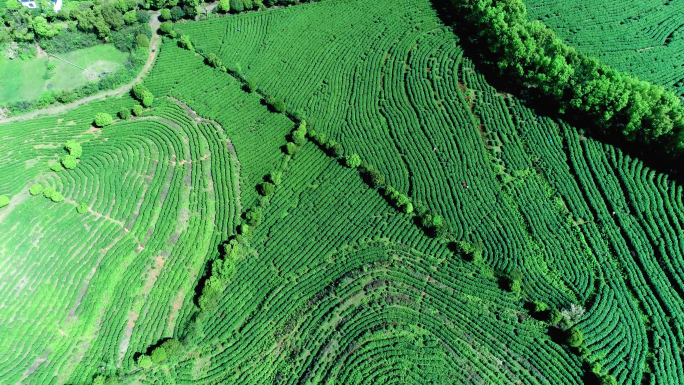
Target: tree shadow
653 155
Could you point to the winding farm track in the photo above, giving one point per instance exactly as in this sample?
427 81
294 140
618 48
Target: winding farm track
154 43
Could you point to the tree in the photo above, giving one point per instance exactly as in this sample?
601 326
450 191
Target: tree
137 110
82 208
13 5
185 43
35 189
337 150
99 380
4 200
56 167
267 189
251 85
555 316
276 177
144 361
213 60
42 28
48 191
112 17
237 6
56 196
353 160
247 4
177 13
159 355
124 113
608 380
143 17
69 162
142 41
515 286
224 5
172 346
130 17
147 99
138 90
167 28
291 148
166 14
298 137
254 216
576 337
102 119
74 148
279 105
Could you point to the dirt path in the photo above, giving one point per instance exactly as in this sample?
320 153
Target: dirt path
154 45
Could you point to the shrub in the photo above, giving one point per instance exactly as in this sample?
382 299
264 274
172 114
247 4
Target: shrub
82 208
143 17
4 200
237 5
147 99
74 148
337 150
539 306
56 167
166 14
167 28
185 43
279 105
515 286
276 177
159 355
555 316
177 13
99 380
144 361
298 137
124 113
142 41
254 216
48 191
56 196
575 338
130 17
353 161
596 367
69 162
102 119
213 60
35 189
291 148
267 188
137 110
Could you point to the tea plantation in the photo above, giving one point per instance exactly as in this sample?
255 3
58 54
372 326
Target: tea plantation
334 193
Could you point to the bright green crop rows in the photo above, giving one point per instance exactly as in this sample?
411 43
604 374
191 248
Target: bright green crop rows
642 38
336 285
92 290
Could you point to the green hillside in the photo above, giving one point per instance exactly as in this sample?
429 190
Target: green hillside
401 221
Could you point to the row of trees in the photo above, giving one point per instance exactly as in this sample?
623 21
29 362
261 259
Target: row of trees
532 55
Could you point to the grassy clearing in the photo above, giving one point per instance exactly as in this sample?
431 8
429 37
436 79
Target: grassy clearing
24 80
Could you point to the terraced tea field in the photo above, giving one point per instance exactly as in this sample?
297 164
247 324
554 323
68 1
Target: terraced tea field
247 247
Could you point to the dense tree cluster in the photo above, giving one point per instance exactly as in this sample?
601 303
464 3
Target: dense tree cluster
533 55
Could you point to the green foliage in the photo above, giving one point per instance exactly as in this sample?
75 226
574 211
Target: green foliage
56 196
353 161
142 41
539 306
35 189
82 208
130 17
214 60
291 148
56 167
254 216
279 105
99 380
42 28
147 99
185 43
144 361
608 380
69 162
515 286
167 29
267 189
575 337
166 14
4 200
124 113
137 110
276 177
177 13
142 16
172 347
298 138
159 355
103 119
236 5
74 148
596 367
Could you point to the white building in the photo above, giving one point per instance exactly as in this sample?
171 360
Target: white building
56 4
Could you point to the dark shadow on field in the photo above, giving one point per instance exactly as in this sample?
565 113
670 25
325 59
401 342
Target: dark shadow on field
653 156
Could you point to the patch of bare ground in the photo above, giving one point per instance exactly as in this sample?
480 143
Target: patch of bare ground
176 305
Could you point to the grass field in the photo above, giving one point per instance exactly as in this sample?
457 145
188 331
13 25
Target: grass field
335 285
23 80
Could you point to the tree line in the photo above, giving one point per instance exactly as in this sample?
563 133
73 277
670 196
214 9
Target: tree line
532 55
